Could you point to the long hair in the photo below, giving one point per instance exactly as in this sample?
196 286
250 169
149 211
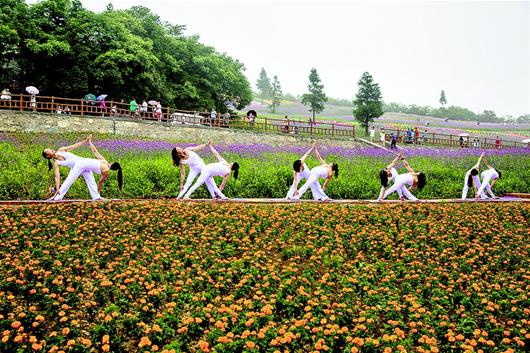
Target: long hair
422 180
335 168
175 157
297 165
49 160
498 172
474 172
383 175
117 166
235 168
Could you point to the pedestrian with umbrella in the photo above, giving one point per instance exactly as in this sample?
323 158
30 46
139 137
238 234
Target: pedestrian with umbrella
33 100
102 105
90 100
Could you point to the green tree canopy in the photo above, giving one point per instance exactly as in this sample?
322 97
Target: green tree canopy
315 98
66 50
368 103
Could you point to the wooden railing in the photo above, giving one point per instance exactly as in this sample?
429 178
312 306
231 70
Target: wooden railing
174 116
171 116
433 138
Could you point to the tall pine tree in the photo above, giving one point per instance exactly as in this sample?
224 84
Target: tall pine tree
368 103
315 98
443 100
276 94
264 85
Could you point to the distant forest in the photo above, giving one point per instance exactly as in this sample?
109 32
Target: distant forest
68 51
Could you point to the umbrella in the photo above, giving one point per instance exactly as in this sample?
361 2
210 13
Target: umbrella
152 103
102 97
32 90
526 141
464 134
90 96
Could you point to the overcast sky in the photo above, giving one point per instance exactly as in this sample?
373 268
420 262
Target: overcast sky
478 52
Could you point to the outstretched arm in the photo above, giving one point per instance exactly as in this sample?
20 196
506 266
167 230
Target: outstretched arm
307 153
101 181
95 151
57 176
476 166
215 153
326 182
74 146
182 175
394 161
406 165
320 159
381 193
225 180
197 148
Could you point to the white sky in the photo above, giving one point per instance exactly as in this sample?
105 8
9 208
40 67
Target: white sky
478 52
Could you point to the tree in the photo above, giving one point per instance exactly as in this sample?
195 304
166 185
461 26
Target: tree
443 100
276 94
368 103
315 98
264 85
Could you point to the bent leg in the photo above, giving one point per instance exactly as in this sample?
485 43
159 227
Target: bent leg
189 180
72 176
394 188
312 179
201 180
91 184
407 193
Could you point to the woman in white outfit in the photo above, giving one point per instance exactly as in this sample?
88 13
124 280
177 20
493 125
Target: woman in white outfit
301 171
78 166
401 181
221 168
388 175
324 171
490 174
472 179
181 157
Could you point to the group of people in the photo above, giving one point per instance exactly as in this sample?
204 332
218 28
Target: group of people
201 173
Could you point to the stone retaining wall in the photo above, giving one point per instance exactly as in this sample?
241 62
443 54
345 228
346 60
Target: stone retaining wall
12 121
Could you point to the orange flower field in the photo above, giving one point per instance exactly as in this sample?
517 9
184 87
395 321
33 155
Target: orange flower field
165 276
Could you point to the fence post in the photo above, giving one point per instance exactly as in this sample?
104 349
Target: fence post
451 140
353 126
53 104
21 103
266 126
333 129
82 106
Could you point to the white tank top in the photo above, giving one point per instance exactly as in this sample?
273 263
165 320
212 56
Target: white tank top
320 171
69 159
193 161
218 169
304 173
406 178
489 174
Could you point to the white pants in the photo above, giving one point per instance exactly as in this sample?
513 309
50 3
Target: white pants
191 177
476 183
316 189
78 170
401 190
206 177
485 186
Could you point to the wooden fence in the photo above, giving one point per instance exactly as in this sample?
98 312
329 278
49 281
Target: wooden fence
328 129
56 105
